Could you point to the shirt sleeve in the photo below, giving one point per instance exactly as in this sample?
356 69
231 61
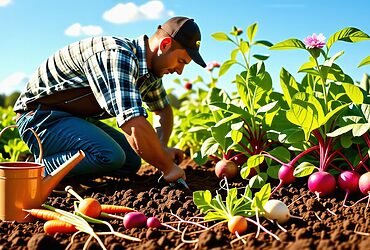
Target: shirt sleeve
156 98
112 75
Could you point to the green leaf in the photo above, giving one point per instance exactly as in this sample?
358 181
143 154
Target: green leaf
354 93
236 136
226 66
289 44
261 197
340 131
364 62
267 107
288 85
258 180
360 129
244 47
255 160
202 200
209 147
263 43
349 34
221 36
251 31
304 169
261 57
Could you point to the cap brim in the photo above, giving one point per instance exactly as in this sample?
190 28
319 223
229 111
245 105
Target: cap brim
194 54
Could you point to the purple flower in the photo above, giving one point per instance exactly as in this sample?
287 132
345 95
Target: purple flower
315 41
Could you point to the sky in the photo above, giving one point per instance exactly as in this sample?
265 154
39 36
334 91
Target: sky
31 30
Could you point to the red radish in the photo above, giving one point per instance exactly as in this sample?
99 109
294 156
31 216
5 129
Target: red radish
285 176
153 222
226 168
348 181
134 220
321 183
364 183
276 210
237 224
59 226
90 207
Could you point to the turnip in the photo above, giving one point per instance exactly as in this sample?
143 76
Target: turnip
237 224
226 168
134 220
349 182
321 183
276 210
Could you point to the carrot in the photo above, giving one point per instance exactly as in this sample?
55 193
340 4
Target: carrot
43 214
59 226
113 209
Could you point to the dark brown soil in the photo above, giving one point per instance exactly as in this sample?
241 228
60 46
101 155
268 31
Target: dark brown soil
324 224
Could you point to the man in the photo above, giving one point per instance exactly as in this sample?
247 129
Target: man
105 77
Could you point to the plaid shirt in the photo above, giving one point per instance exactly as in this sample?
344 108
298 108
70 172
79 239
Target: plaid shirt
114 68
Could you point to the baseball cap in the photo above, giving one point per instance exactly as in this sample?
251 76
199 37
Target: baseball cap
186 32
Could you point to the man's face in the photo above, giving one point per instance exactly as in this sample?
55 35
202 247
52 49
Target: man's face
171 61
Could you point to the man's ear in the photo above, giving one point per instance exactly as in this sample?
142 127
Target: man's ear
165 44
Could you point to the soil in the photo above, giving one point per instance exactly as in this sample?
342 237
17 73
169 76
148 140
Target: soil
320 224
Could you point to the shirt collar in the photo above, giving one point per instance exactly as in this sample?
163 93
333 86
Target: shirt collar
140 44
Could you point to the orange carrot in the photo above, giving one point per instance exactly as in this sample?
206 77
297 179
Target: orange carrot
112 209
59 226
43 214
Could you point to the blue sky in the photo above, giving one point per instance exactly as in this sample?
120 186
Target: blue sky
31 30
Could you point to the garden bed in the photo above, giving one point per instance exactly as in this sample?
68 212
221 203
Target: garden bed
324 224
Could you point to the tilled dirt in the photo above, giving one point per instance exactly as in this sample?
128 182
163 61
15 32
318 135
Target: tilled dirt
320 224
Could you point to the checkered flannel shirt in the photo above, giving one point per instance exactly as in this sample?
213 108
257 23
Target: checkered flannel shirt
114 68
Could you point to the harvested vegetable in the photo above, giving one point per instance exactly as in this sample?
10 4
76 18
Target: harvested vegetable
59 226
43 214
134 220
90 207
276 210
237 224
115 209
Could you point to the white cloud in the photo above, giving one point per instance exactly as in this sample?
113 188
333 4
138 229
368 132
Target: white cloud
5 2
77 29
130 12
14 82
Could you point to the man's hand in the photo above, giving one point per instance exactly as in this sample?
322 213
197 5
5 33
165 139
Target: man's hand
174 173
175 154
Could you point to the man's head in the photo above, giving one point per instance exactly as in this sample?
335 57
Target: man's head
178 42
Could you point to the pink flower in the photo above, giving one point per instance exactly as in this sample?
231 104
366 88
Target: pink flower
315 41
212 65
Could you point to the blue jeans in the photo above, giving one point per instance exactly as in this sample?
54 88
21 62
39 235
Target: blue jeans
62 135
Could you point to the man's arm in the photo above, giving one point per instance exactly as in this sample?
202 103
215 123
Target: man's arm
163 124
144 140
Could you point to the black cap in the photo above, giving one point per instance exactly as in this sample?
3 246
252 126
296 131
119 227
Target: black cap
186 32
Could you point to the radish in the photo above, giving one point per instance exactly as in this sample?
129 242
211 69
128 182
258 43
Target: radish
226 168
153 222
321 183
348 181
134 220
285 176
364 183
237 224
276 210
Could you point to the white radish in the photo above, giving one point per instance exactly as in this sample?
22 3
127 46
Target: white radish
276 210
